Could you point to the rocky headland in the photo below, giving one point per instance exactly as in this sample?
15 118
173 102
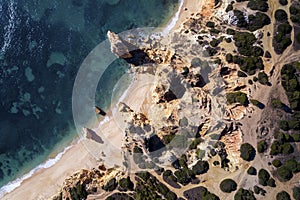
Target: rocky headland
219 118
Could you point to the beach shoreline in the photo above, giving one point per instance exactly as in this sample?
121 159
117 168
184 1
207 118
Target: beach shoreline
53 176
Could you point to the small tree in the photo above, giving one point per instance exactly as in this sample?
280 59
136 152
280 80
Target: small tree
263 177
247 152
296 192
283 195
252 171
285 173
276 163
228 185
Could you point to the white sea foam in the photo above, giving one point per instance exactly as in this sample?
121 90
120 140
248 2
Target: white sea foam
16 183
11 27
173 21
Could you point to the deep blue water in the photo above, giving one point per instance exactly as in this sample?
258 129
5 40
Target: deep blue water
42 44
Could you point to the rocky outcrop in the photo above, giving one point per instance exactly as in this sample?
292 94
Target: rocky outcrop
91 180
118 46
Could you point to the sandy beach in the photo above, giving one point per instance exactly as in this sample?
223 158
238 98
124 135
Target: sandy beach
188 8
86 153
46 182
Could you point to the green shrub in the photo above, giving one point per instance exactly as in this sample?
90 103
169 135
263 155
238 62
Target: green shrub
284 125
111 185
249 64
230 31
276 163
287 148
283 195
263 177
296 137
183 176
284 173
285 28
200 167
243 194
260 5
262 146
276 103
259 190
237 97
292 165
241 74
210 24
78 192
195 143
271 182
229 8
281 15
228 185
247 152
229 58
296 193
263 78
258 21
283 2
252 171
126 184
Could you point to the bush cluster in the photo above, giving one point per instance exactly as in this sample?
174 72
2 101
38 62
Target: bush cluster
248 64
244 42
243 194
286 171
295 13
200 193
254 22
78 192
148 187
278 147
261 5
291 84
282 38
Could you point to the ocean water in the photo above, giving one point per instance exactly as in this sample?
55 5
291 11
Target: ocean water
42 44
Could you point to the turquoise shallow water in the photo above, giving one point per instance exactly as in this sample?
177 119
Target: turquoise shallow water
42 44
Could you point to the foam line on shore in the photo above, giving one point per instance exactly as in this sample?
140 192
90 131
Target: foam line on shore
17 182
173 21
